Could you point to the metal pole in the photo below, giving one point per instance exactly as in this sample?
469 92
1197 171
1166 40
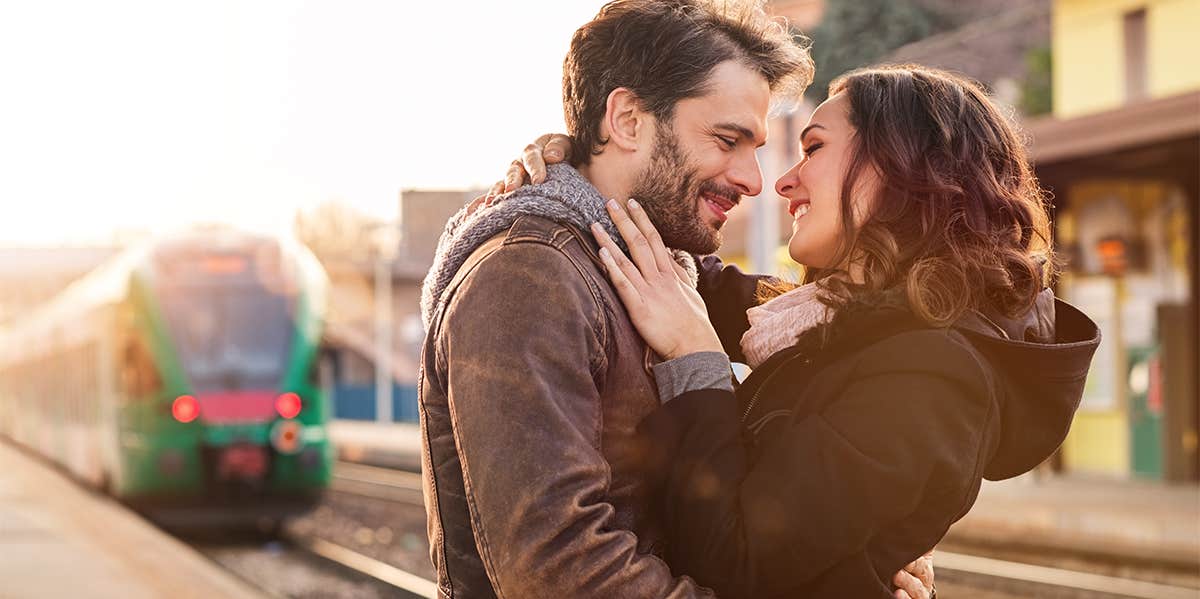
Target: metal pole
383 338
763 237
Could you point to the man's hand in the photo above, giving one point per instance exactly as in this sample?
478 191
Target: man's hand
915 581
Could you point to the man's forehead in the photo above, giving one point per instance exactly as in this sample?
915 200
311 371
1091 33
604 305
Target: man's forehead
738 104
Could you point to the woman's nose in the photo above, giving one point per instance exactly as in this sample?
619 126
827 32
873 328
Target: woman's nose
787 183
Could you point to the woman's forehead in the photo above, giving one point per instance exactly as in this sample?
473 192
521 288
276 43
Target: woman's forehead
832 114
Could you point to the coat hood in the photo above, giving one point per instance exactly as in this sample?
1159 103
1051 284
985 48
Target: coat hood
1041 362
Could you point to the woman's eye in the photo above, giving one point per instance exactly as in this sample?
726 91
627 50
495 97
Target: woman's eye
813 148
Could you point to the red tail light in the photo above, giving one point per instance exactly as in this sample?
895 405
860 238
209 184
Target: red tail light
288 405
185 408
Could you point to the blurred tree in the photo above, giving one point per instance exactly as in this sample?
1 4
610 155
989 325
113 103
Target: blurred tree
333 229
1037 89
856 33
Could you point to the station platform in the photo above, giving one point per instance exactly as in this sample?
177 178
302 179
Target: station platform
1117 519
1126 520
59 540
391 445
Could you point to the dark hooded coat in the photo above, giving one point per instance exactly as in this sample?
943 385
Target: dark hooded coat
846 456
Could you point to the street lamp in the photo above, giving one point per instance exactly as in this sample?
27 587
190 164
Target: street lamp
385 239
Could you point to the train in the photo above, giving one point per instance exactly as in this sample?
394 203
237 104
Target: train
180 377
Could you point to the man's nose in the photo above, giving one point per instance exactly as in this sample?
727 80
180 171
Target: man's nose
746 175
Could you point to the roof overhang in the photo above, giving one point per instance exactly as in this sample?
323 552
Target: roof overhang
1134 125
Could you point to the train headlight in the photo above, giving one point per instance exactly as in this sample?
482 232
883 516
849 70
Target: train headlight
288 405
185 408
285 436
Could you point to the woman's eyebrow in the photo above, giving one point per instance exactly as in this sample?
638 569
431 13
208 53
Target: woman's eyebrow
809 128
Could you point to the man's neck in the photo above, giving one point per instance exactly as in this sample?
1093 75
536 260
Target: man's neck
608 178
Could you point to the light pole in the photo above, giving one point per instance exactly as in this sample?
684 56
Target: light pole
385 240
763 237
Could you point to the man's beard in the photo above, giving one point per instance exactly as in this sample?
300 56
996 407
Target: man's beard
669 190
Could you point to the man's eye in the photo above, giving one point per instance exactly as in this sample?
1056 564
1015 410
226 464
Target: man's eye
727 142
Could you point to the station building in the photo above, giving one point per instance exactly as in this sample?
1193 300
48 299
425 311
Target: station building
1121 154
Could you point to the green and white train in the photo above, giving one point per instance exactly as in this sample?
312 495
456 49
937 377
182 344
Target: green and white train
180 374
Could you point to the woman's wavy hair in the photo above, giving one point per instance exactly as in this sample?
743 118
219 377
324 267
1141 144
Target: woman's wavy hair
959 221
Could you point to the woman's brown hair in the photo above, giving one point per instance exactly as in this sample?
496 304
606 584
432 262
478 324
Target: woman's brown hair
959 221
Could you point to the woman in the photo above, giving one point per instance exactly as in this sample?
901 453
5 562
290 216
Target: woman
922 355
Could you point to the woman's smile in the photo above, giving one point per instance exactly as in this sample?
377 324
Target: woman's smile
798 207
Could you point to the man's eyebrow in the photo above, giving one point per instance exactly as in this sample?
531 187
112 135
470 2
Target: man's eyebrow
740 130
809 128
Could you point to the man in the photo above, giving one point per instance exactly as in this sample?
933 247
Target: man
533 379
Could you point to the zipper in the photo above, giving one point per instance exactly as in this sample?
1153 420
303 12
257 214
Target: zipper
758 392
757 426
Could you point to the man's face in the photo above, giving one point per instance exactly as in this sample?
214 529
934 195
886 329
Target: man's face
704 159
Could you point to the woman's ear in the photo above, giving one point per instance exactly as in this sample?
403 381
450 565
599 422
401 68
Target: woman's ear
625 122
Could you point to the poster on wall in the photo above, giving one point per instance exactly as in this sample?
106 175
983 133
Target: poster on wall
1097 297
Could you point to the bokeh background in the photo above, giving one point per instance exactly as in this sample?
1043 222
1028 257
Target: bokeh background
358 128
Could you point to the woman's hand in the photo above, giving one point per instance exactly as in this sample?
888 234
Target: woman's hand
661 302
551 148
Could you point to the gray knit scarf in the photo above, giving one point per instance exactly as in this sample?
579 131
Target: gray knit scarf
565 197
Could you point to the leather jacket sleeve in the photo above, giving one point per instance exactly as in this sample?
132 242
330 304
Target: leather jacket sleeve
728 293
526 338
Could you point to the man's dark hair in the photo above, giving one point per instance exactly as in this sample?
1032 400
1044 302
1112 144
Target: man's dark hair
664 51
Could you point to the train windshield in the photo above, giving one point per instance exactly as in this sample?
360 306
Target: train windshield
231 336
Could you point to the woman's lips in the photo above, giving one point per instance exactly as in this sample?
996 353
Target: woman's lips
798 205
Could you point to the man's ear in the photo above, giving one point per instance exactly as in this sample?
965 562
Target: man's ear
626 123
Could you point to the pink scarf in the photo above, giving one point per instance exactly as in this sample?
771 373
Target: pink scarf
775 324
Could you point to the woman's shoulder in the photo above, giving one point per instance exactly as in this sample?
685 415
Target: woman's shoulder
943 354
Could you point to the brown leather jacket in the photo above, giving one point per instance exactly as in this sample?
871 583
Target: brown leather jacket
532 383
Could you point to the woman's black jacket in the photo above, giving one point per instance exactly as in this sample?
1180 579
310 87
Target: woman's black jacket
849 454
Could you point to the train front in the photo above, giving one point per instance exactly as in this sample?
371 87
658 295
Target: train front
240 322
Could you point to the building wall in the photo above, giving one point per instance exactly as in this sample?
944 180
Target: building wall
1174 47
1089 51
1118 429
1103 438
423 216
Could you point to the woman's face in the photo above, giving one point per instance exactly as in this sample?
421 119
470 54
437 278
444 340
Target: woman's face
813 186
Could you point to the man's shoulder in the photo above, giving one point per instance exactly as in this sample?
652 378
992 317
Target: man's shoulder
534 247
537 260
531 228
525 281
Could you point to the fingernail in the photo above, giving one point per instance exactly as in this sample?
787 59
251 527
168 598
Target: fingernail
633 204
612 204
604 253
596 228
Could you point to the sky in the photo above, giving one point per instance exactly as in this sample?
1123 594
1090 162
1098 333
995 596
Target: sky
129 115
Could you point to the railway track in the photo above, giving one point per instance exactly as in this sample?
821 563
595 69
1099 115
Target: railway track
409 584
965 573
380 483
1026 580
319 559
